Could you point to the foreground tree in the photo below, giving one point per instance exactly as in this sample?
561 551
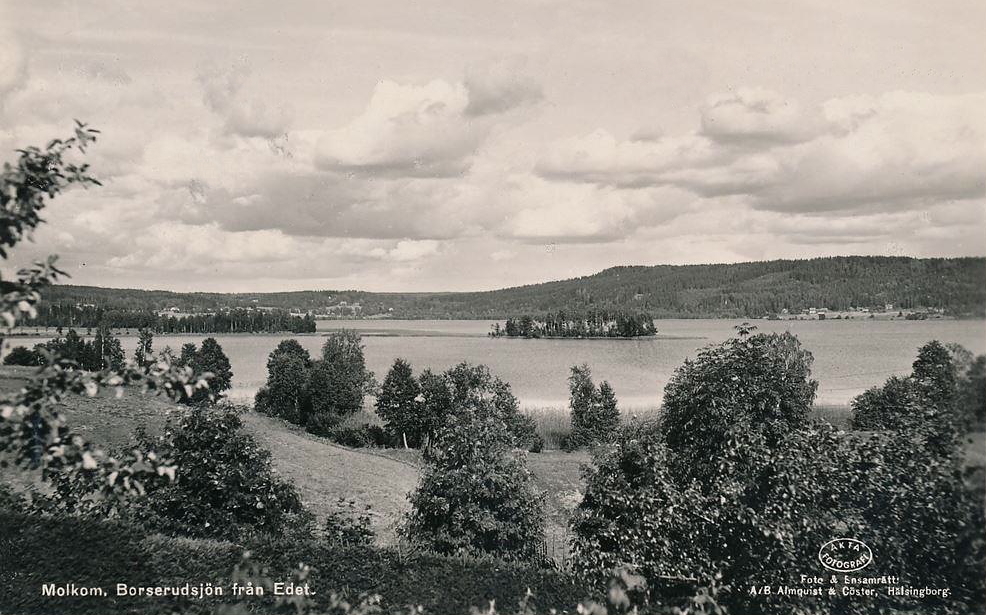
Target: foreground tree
476 494
467 389
225 484
33 432
761 381
764 495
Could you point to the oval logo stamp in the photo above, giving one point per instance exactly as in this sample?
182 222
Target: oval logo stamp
845 555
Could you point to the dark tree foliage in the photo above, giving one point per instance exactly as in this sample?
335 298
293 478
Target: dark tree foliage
972 394
476 494
286 392
208 359
237 320
595 416
102 352
469 389
761 381
588 323
774 497
143 354
224 487
399 404
317 394
946 389
20 355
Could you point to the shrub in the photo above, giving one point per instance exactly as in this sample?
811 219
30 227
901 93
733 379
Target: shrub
773 499
225 485
322 423
476 495
472 390
347 525
595 416
761 381
19 355
352 436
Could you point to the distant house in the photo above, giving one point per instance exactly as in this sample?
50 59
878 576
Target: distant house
888 307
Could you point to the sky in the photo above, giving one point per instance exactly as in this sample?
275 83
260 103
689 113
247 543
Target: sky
426 145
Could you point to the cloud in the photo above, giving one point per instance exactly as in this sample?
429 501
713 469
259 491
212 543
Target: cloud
897 150
500 87
406 130
756 117
863 153
567 212
601 158
13 60
244 116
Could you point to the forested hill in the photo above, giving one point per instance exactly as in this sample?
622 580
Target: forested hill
955 285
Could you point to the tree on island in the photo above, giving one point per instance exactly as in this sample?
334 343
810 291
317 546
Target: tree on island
589 323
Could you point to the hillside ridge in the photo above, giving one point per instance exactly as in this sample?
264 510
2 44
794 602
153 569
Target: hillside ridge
952 286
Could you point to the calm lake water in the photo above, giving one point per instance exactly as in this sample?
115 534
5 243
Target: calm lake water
850 355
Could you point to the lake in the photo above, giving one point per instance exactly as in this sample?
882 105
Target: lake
850 355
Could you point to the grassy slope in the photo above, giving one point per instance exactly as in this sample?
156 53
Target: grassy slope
322 471
325 472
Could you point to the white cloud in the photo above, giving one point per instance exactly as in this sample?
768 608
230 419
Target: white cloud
499 87
897 150
754 116
243 115
867 153
406 130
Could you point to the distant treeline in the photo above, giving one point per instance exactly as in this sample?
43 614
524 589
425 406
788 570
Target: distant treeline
238 320
591 323
738 290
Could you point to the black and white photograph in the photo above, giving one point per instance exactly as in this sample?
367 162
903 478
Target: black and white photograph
514 307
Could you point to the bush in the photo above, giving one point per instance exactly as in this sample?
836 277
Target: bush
322 423
761 381
346 525
225 485
353 437
472 390
774 497
476 495
19 355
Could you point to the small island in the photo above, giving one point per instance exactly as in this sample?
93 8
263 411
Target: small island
585 324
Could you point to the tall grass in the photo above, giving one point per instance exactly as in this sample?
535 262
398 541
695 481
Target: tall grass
554 423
